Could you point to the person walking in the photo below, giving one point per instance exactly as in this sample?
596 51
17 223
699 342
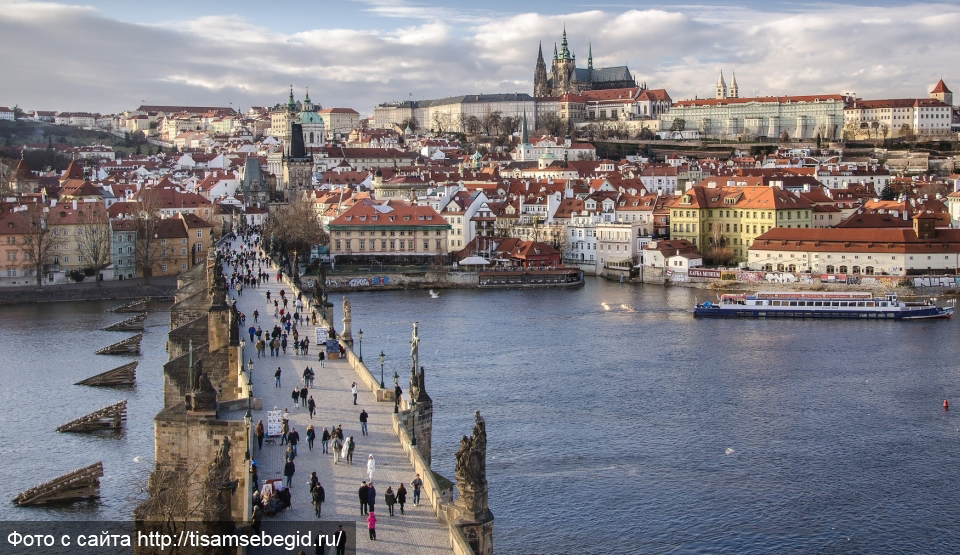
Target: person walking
363 422
372 525
325 441
353 389
321 356
277 375
313 481
284 430
340 540
311 406
362 493
319 496
350 447
417 483
337 444
401 496
371 466
390 499
303 397
311 435
288 470
345 450
260 434
293 438
371 496
295 396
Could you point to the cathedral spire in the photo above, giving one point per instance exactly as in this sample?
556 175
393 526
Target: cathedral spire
307 98
555 51
291 104
590 56
564 51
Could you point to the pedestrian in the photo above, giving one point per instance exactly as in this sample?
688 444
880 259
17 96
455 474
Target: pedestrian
363 422
321 357
311 405
390 499
337 444
313 481
277 375
256 519
283 343
417 483
350 447
319 496
325 441
288 470
345 450
372 525
371 496
284 430
353 389
311 435
296 396
303 397
289 455
252 330
401 496
293 438
371 466
256 316
340 540
362 493
260 434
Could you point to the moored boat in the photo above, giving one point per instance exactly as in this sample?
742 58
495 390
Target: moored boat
815 304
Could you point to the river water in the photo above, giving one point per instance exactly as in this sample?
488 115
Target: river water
45 349
618 423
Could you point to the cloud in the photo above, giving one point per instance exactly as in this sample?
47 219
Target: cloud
66 57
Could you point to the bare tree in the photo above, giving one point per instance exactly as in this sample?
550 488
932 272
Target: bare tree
147 250
295 228
93 237
551 123
679 124
473 125
509 125
40 237
491 122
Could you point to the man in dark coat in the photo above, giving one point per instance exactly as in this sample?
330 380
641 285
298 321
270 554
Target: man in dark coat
288 470
371 496
363 498
293 438
319 496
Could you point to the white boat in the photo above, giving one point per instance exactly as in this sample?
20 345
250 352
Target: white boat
815 304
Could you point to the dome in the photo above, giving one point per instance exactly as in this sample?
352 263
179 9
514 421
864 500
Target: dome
547 156
378 173
310 117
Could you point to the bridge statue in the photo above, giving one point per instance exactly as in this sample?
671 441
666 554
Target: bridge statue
471 473
346 335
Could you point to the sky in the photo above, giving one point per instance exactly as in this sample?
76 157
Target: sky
110 55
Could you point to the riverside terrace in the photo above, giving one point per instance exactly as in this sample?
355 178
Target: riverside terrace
418 531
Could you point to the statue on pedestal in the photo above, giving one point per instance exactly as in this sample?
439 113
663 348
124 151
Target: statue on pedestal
346 335
471 470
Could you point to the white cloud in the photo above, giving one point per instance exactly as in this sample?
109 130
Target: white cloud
70 58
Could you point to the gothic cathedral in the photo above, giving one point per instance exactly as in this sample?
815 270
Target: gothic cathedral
565 77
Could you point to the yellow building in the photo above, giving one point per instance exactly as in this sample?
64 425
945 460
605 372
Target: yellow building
708 215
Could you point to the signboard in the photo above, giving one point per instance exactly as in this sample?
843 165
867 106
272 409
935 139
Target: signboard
322 334
274 422
333 346
703 273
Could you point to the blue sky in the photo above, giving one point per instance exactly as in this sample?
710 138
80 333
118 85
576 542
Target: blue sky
108 55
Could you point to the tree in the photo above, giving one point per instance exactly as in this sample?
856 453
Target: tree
440 121
888 193
491 122
645 134
905 131
679 124
509 125
147 244
819 140
473 125
294 229
784 136
17 112
93 237
551 123
884 130
40 237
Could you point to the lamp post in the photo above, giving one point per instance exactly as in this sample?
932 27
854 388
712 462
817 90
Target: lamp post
250 372
360 337
382 357
248 420
413 415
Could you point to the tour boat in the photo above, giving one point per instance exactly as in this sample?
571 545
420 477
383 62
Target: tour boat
813 304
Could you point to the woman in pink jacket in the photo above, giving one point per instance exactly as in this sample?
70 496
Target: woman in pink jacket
372 525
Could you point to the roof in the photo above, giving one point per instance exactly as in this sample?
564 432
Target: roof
776 99
834 239
940 88
367 213
338 111
602 75
896 103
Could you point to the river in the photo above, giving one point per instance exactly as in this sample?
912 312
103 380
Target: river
45 349
618 423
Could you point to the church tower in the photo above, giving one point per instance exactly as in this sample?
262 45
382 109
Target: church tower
541 85
734 90
590 57
721 87
942 93
565 65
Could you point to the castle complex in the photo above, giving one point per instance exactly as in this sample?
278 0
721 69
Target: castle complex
565 77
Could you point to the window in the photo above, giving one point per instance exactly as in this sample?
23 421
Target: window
383 245
163 267
66 259
199 234
402 245
183 241
438 244
426 245
11 256
183 266
361 244
163 241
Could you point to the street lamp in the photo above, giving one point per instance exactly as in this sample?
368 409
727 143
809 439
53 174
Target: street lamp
382 357
248 419
360 337
413 428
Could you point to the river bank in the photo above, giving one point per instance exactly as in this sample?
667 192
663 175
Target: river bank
109 290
